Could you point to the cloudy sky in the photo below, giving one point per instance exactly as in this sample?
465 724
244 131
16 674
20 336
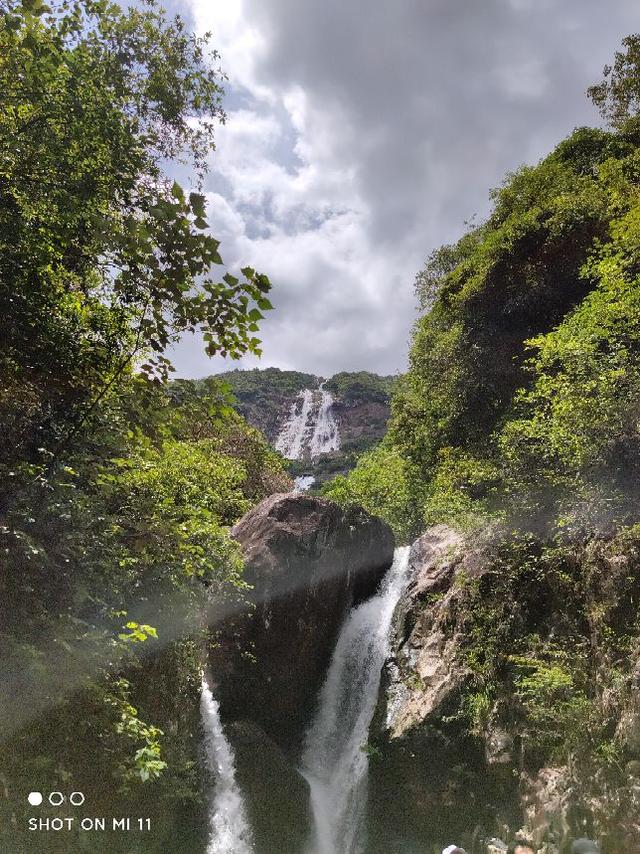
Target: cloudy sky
362 134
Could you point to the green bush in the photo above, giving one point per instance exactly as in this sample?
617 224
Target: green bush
381 483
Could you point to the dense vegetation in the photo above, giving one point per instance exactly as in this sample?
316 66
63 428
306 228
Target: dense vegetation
258 381
264 396
523 381
117 491
518 419
352 387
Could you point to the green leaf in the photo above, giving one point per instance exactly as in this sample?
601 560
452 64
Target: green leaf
197 203
177 192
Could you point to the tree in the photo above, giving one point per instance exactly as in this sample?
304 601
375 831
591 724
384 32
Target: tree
617 96
116 495
103 258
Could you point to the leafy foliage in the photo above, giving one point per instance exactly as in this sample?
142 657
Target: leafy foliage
578 426
250 385
103 259
355 387
117 491
521 397
380 483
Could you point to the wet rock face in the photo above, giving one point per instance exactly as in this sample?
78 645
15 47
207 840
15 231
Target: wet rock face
361 420
425 676
436 781
308 561
276 794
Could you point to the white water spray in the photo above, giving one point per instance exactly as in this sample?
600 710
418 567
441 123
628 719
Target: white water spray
335 761
311 428
291 438
229 828
325 436
303 483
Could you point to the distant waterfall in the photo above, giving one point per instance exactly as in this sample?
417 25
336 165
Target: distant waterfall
292 436
325 436
229 828
303 482
335 761
311 428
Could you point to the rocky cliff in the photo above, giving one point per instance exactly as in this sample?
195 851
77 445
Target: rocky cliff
485 725
357 408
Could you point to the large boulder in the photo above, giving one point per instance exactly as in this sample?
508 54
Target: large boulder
308 561
275 793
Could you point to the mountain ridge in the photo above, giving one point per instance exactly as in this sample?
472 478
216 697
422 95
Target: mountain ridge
357 402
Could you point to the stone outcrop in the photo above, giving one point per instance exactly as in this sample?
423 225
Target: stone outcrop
307 561
425 676
436 781
276 795
361 422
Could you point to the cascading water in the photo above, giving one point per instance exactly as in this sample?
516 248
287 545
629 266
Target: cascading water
311 428
325 436
229 828
335 761
303 482
291 438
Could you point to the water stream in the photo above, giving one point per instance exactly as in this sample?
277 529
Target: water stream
229 829
325 437
311 428
335 760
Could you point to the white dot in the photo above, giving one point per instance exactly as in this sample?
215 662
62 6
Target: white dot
35 798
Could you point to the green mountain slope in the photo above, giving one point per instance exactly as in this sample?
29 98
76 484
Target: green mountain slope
361 408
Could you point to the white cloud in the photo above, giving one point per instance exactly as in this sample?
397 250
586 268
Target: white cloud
359 137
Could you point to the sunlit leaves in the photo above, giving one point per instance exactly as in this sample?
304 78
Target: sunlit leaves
137 632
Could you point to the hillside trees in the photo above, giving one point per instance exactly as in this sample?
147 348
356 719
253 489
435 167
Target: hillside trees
116 492
518 423
521 385
617 96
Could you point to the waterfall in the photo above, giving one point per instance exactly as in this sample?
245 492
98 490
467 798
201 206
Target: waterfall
229 828
303 482
291 438
311 427
325 436
335 760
